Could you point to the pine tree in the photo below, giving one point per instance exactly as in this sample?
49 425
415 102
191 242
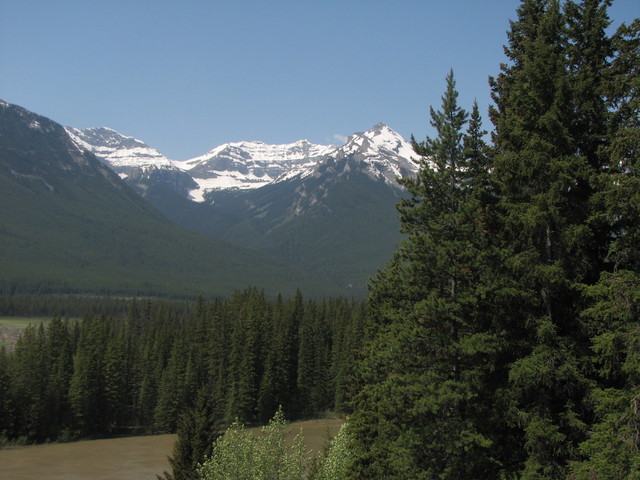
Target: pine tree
219 358
546 152
245 355
430 359
277 388
612 449
29 373
86 390
197 432
115 383
346 353
6 410
171 391
60 355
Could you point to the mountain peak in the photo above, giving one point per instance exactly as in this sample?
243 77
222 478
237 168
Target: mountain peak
383 152
106 137
251 164
121 152
379 127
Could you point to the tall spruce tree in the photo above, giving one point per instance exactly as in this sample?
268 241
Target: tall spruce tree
6 413
612 449
431 354
546 152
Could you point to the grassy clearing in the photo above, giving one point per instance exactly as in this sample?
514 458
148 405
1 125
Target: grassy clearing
23 322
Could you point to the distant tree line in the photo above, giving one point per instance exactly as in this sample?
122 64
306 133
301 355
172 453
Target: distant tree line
138 372
75 305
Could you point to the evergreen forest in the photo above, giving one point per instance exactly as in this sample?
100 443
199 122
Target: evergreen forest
501 340
138 372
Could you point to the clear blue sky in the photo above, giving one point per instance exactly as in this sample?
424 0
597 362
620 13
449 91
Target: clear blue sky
185 76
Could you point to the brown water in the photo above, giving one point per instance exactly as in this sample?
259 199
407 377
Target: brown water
129 458
132 458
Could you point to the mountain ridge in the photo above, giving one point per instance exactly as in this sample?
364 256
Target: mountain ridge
247 164
69 224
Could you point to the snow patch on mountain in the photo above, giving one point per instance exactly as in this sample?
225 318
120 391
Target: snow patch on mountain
380 152
251 164
120 152
384 153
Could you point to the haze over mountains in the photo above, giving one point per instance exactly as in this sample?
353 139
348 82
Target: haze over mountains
318 216
322 208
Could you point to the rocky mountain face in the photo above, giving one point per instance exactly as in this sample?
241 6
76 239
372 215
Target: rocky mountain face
138 164
380 152
248 165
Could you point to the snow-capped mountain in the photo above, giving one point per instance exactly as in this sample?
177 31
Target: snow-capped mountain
323 208
248 165
383 153
120 152
380 152
140 165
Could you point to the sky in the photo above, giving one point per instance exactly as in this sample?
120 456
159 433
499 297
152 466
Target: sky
185 76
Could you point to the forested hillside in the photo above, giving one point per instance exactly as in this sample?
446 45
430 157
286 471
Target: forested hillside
68 224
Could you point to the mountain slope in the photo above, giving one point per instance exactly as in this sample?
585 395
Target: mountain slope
68 223
328 210
336 218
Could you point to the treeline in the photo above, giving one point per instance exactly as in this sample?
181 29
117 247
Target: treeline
28 299
140 371
78 305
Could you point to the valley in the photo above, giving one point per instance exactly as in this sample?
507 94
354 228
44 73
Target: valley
325 209
71 225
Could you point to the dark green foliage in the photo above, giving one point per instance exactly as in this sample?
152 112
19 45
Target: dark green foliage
542 213
197 432
141 370
432 354
555 165
503 339
87 388
6 411
281 363
612 449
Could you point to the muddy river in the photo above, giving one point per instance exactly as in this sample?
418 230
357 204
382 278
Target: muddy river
132 458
